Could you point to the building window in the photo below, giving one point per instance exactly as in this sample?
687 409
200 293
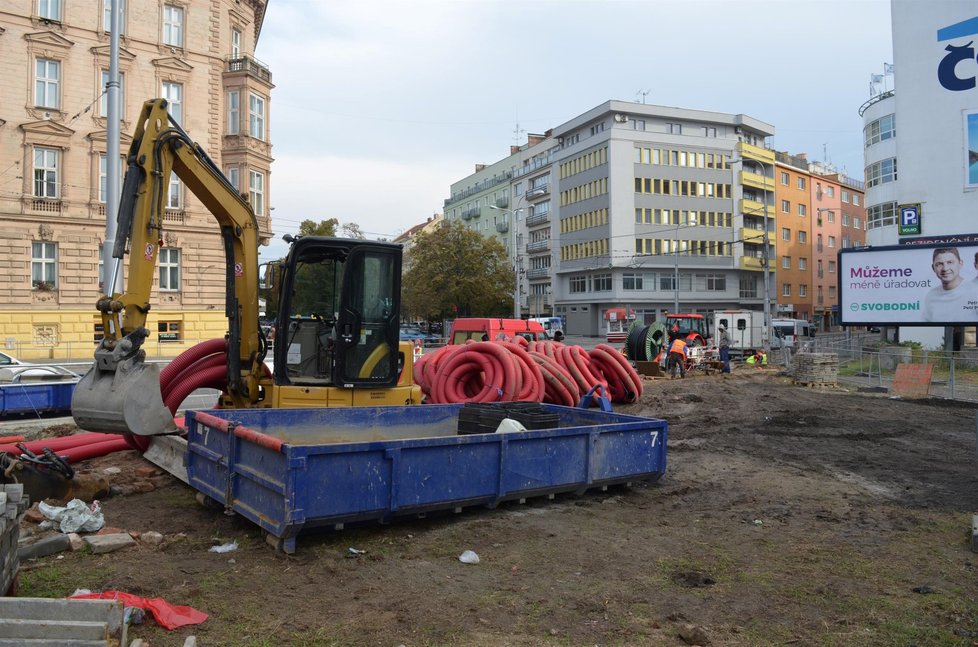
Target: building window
831 215
256 192
802 236
256 116
578 284
169 264
103 102
831 291
802 210
235 43
845 220
785 178
716 282
845 196
831 242
47 81
602 283
801 183
831 263
880 130
46 172
174 194
107 17
168 331
49 9
802 263
103 176
855 199
234 177
173 93
786 262
172 26
234 112
44 265
802 290
881 215
785 206
830 191
632 281
786 289
785 234
638 124
674 129
856 222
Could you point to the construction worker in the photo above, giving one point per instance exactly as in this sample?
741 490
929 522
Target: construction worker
724 344
678 352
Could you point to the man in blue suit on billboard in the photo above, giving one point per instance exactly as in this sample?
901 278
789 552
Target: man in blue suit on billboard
954 300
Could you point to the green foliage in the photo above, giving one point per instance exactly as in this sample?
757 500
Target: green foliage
306 228
456 266
322 228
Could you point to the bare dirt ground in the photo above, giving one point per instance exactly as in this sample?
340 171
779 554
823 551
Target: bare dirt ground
788 516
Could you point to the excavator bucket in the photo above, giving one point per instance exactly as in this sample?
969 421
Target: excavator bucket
121 397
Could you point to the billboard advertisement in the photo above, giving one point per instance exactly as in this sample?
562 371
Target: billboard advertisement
919 285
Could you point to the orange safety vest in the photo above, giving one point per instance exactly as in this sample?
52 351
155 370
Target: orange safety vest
678 346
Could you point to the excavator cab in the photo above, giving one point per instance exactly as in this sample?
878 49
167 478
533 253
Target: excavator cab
338 317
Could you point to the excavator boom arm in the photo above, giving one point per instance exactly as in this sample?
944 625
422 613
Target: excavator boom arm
118 378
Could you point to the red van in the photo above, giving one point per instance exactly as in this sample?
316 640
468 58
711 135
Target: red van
487 329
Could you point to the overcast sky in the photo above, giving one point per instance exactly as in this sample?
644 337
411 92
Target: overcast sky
380 105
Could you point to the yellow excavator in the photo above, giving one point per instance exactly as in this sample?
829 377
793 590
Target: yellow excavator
337 328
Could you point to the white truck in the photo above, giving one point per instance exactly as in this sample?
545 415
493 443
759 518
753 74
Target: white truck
745 327
746 330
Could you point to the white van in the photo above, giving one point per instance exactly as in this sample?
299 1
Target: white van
791 333
550 325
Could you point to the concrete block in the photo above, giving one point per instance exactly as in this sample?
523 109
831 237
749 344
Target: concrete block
109 543
45 546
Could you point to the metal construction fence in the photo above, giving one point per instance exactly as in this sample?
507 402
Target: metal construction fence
863 362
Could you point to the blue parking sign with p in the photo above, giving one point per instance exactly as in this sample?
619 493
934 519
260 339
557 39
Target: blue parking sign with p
909 219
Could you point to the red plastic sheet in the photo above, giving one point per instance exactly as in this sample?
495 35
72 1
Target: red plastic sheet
166 615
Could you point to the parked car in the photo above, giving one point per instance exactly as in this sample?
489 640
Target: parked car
412 333
14 371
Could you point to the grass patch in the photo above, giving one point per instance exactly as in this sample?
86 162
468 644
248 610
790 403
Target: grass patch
60 578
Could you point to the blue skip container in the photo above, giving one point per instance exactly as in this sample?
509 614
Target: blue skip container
289 469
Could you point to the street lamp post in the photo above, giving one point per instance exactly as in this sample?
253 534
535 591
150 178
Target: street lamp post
516 262
765 261
675 278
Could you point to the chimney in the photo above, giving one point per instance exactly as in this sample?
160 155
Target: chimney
802 156
533 140
479 167
513 150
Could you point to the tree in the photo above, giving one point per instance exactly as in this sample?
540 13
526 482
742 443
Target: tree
352 230
456 272
306 228
322 228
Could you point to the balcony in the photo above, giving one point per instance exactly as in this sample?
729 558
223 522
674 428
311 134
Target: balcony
755 208
751 263
538 273
252 66
174 216
752 236
538 219
502 203
756 181
46 205
469 214
502 227
538 246
538 191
